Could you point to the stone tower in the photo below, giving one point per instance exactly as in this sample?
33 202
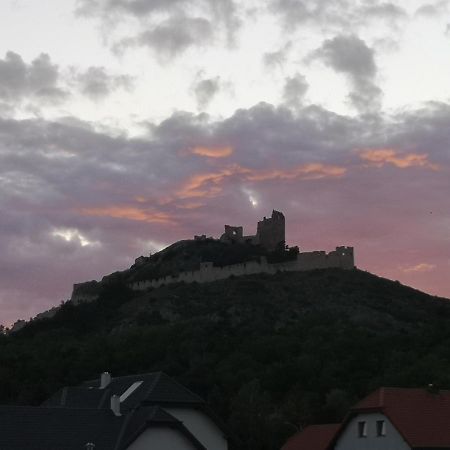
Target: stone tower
271 232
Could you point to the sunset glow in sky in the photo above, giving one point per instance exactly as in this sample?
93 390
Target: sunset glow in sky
126 125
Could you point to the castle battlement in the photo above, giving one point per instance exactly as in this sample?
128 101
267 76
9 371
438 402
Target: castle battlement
341 258
270 235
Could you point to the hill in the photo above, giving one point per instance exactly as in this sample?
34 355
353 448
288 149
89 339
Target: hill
186 255
268 352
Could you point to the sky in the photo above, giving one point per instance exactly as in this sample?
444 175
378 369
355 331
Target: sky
126 125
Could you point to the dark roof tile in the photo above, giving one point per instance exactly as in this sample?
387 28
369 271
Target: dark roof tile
313 437
420 416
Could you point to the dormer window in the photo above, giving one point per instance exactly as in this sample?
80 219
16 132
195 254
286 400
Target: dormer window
362 429
381 428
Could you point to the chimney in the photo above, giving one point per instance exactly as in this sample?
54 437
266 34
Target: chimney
105 379
115 405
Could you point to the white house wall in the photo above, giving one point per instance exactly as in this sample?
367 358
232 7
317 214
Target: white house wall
349 439
162 439
201 426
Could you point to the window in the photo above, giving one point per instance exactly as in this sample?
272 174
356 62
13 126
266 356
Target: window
362 429
381 428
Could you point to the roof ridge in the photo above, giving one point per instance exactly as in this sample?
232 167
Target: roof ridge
154 383
106 393
123 429
183 387
64 395
381 398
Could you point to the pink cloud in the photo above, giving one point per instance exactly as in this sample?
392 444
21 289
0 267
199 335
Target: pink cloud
213 152
210 184
422 267
382 156
129 213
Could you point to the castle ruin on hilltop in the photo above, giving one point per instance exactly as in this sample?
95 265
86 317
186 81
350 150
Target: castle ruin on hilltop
270 235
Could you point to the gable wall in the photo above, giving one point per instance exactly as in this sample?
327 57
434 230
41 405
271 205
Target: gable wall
162 438
349 439
201 426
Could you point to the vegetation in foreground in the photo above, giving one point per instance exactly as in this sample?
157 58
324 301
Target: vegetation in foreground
270 353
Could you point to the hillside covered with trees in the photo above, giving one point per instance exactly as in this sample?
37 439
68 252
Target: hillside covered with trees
269 353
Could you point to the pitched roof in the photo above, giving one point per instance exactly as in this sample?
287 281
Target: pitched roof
313 437
41 428
27 428
155 388
420 416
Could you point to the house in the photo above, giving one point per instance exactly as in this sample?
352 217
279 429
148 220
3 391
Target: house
123 413
314 437
389 418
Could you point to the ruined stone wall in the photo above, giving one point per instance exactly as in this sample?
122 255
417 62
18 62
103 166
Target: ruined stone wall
232 234
271 231
342 258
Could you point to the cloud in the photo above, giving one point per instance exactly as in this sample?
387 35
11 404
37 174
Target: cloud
38 79
67 182
433 9
173 36
210 184
350 55
213 152
128 213
383 156
419 268
277 58
384 10
294 90
70 235
134 7
167 27
97 83
338 15
205 90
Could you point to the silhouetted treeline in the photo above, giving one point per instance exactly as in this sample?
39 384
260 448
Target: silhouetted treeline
270 353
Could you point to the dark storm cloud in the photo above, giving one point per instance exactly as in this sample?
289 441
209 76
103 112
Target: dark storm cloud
96 83
169 27
78 203
39 79
351 56
205 90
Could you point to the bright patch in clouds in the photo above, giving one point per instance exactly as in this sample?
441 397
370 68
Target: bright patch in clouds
73 235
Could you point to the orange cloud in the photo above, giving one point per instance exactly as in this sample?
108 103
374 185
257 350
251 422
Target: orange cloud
382 156
192 205
312 171
213 152
422 267
129 213
207 184
210 184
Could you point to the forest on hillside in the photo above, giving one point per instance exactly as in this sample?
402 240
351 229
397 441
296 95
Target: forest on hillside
269 353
